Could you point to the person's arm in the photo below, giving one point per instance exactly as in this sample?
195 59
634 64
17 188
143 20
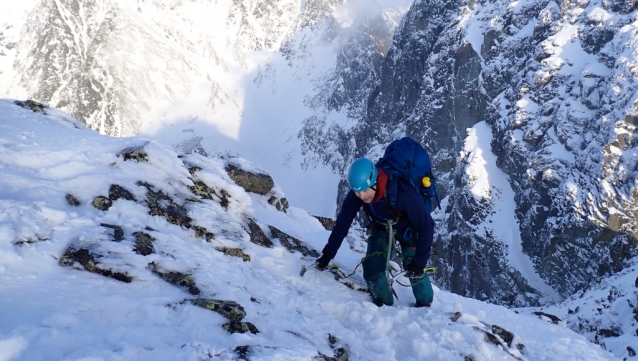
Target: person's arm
349 209
412 204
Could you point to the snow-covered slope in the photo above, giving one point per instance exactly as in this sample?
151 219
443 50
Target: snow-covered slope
158 226
204 75
607 314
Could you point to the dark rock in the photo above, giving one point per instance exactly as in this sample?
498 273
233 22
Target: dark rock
292 244
135 153
490 337
231 310
143 243
160 204
201 189
504 334
520 347
116 192
456 316
178 279
340 353
555 320
280 203
242 352
631 352
257 235
240 327
636 282
252 182
594 38
102 203
87 260
327 223
31 105
118 232
71 200
203 232
234 252
467 358
605 332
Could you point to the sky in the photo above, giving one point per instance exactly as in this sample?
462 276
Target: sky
54 312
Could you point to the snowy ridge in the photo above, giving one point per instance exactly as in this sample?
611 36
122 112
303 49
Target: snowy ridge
68 313
607 314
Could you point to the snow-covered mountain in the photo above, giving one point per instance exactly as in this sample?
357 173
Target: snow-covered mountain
123 249
526 107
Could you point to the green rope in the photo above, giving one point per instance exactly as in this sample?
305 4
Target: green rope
428 271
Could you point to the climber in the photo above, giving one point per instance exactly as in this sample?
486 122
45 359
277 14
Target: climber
414 230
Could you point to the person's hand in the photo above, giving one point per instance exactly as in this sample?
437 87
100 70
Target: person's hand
414 271
322 262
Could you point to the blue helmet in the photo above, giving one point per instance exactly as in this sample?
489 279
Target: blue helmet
362 174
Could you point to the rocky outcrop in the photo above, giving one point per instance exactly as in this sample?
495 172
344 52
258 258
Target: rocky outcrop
116 192
71 200
179 279
143 243
231 310
251 181
292 243
257 235
82 257
327 223
495 335
161 204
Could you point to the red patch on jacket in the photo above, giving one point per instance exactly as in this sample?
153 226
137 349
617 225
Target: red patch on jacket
382 180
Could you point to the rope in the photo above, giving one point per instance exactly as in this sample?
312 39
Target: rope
426 271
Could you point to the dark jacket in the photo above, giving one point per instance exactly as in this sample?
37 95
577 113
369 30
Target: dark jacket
413 215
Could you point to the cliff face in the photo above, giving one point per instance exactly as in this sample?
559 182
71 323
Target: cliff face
554 82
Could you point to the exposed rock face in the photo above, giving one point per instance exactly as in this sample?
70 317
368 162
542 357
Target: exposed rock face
202 190
280 203
292 243
117 192
232 310
496 335
72 200
84 258
235 252
160 204
240 327
327 223
254 182
116 231
257 235
143 243
177 278
102 203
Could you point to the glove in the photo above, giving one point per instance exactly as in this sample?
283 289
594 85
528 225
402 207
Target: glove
414 271
322 262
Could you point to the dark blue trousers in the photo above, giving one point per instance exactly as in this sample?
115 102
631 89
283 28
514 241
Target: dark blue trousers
374 271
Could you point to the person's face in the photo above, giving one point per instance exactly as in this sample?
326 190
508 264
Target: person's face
368 195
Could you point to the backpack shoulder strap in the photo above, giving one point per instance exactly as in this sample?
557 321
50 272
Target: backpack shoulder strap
391 195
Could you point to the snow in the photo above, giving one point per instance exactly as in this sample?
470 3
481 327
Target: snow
67 313
487 181
206 73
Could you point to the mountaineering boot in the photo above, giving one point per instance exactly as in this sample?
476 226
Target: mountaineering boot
421 287
374 269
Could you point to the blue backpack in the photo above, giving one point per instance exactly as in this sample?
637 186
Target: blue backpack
405 158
